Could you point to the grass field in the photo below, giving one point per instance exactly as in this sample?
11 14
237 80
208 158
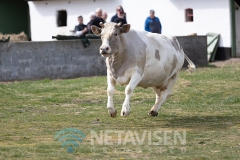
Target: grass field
205 105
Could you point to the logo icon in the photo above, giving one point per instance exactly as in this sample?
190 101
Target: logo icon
70 138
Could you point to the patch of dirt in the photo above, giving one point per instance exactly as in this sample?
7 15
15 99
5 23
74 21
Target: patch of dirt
185 83
226 62
86 101
5 83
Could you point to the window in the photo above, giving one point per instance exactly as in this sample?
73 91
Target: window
188 15
62 18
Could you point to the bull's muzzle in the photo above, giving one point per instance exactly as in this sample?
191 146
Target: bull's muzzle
104 49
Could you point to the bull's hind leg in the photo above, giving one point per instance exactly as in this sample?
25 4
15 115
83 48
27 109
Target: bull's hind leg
161 95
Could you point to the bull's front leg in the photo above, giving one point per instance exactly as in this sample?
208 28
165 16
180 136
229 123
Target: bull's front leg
135 79
110 91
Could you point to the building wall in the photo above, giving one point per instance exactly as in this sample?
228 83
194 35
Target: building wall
44 15
209 16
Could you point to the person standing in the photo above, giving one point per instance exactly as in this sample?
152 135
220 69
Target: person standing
104 16
120 17
95 21
80 29
153 24
116 15
92 15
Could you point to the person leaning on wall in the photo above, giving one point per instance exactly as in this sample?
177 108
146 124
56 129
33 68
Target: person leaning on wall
80 29
91 16
120 17
116 15
104 16
95 21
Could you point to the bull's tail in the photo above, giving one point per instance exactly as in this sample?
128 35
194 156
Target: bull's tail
191 66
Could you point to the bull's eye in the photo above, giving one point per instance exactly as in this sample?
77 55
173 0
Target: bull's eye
115 34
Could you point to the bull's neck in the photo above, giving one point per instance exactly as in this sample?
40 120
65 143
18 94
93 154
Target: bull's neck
117 59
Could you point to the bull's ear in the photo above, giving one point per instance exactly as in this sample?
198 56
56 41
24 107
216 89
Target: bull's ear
97 31
125 28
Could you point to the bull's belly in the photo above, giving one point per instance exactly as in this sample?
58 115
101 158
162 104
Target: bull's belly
156 74
154 77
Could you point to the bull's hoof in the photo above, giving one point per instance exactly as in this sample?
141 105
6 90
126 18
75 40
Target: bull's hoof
113 115
112 112
153 113
125 113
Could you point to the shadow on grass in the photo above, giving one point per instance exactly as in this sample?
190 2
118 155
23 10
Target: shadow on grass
204 122
208 66
201 66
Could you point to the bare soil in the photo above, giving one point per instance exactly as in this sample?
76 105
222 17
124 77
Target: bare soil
226 62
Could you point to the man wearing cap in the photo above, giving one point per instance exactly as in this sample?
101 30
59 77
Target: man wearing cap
153 24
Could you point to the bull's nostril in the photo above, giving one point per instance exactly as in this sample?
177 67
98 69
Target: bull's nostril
107 48
100 48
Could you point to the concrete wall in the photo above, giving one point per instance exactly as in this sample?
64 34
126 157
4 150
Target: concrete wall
69 59
55 59
237 20
195 47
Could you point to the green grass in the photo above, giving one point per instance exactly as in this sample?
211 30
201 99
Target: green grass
205 104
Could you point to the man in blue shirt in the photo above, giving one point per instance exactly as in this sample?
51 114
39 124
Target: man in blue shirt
153 24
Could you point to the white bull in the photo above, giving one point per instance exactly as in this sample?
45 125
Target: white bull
136 58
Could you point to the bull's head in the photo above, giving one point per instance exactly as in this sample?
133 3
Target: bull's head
110 35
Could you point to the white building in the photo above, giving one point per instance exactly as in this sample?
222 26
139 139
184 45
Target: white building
218 16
